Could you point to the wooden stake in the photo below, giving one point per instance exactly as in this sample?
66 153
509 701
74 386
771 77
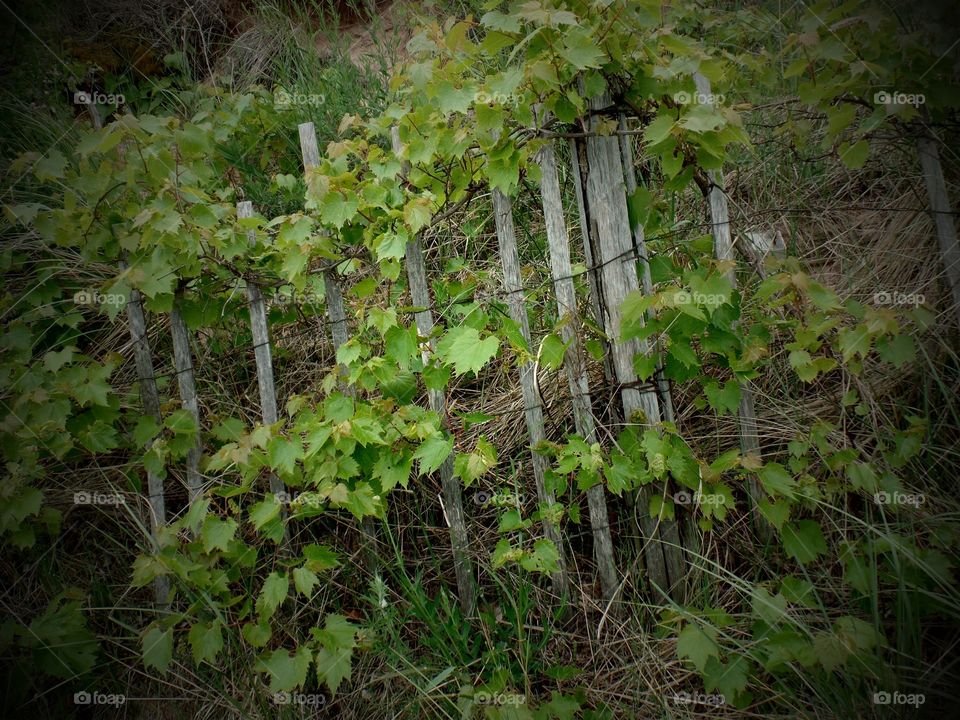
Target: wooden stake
261 348
942 214
723 244
533 405
337 317
593 274
183 365
151 408
452 494
260 331
606 200
574 364
640 244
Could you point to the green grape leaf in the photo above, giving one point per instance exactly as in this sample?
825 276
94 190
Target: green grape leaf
304 580
799 592
659 129
286 671
337 633
257 634
463 348
580 50
274 592
284 453
777 480
471 466
206 640
157 648
854 156
729 678
769 608
854 341
897 350
803 540
725 399
264 512
333 667
697 645
217 534
432 452
552 350
320 557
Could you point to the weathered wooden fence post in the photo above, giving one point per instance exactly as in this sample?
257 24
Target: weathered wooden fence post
183 366
260 332
567 314
664 394
336 315
340 333
150 398
533 405
607 212
639 242
723 247
593 273
151 408
942 214
452 494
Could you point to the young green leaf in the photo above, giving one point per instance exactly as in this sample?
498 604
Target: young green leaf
284 670
274 592
697 645
463 348
157 648
206 640
217 534
333 667
803 540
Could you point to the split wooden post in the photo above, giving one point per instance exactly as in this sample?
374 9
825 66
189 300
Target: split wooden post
574 364
723 247
183 365
151 408
607 213
337 318
150 398
336 315
593 280
639 242
260 332
533 405
942 214
452 494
